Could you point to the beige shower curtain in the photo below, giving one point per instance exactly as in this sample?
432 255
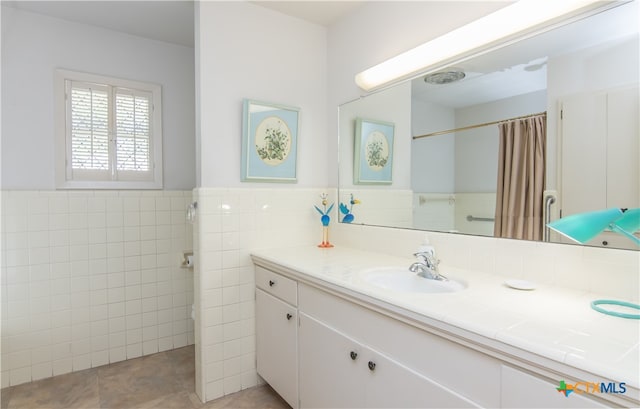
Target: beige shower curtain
521 173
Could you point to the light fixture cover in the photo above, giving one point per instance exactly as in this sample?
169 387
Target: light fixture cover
520 18
630 220
583 227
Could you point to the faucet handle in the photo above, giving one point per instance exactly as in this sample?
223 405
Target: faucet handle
428 258
424 257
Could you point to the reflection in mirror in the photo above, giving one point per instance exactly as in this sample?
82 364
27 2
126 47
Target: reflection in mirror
447 144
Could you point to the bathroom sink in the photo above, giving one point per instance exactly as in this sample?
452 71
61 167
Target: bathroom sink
403 280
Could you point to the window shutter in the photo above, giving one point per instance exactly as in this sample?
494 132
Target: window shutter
133 131
110 131
89 128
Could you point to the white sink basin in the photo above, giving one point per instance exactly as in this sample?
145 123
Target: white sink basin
403 280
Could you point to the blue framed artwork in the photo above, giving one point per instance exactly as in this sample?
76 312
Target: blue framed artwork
269 142
373 152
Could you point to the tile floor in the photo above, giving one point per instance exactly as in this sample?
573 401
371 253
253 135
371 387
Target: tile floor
165 381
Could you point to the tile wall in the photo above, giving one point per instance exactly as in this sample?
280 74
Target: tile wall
230 223
92 277
390 207
605 272
434 210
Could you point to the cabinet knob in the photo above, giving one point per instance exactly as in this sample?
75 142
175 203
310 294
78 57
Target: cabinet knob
289 316
353 355
372 365
271 283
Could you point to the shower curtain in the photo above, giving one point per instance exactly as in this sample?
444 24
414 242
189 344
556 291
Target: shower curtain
521 174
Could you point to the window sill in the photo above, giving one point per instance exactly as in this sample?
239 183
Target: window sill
109 185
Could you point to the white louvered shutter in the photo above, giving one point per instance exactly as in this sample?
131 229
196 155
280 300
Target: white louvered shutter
111 135
133 131
88 118
110 132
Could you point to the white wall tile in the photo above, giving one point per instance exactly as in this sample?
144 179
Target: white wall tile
118 339
62 366
165 343
20 375
214 390
81 362
134 350
180 340
150 347
117 354
74 285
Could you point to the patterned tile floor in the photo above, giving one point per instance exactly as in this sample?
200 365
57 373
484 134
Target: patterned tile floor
164 381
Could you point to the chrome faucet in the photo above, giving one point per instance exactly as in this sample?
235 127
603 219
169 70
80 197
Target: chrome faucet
427 266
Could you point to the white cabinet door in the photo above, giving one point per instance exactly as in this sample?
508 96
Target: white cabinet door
584 147
600 150
392 385
330 367
276 345
623 166
522 390
339 372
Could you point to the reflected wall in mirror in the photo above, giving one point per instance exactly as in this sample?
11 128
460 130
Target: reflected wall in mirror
583 75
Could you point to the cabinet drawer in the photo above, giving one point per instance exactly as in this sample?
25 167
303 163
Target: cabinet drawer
282 287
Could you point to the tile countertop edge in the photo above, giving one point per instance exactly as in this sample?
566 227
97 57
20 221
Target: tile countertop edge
336 270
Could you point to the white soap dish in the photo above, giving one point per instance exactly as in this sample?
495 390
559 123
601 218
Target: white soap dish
520 284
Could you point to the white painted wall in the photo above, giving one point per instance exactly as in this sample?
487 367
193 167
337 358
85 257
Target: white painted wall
34 45
248 51
432 158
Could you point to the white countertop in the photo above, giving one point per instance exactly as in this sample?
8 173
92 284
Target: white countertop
552 322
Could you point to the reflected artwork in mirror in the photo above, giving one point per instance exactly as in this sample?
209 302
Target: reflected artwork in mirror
449 153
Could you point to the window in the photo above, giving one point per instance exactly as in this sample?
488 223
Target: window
109 133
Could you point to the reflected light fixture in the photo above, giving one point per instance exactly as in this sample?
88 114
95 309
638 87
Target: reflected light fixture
519 18
583 227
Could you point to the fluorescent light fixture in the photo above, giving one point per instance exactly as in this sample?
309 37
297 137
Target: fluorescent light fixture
519 18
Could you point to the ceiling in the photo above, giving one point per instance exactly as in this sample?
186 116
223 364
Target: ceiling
324 13
170 21
173 21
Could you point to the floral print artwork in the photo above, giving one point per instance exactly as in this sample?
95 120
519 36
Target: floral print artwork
273 140
377 150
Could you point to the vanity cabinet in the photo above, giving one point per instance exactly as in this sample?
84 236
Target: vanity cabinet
277 333
524 390
324 346
367 360
339 372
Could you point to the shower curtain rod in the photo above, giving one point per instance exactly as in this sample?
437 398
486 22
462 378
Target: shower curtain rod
464 128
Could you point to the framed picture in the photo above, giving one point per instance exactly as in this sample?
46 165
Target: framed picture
373 152
269 142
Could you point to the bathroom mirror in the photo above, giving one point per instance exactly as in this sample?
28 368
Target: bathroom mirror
445 152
